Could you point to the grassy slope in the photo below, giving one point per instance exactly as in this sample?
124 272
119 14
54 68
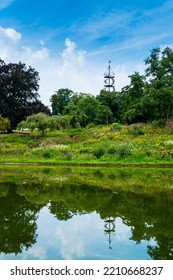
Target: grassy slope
97 145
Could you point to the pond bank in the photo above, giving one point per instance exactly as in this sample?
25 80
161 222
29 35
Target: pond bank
154 165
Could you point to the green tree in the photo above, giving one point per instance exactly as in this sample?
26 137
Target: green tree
60 99
131 107
39 121
111 100
89 106
42 122
37 107
104 115
57 122
75 115
158 99
19 86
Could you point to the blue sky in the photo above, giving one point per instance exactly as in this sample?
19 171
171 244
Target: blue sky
70 42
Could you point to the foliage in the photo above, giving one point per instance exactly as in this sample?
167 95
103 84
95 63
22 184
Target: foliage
134 144
39 121
4 124
42 121
60 99
116 127
98 152
18 222
158 123
136 129
112 100
81 109
158 99
131 100
89 106
19 96
147 98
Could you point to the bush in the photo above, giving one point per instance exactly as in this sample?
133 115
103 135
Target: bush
136 129
112 150
116 127
4 124
123 151
158 123
33 144
90 125
98 152
84 150
120 150
47 154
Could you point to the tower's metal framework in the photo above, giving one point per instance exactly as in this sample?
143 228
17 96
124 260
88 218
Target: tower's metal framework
109 229
109 79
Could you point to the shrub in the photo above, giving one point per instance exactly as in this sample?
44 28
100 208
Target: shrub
4 124
116 127
47 154
136 129
112 150
33 144
90 125
158 123
84 150
98 152
123 151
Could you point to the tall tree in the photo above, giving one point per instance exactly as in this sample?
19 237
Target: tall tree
60 99
159 95
19 86
89 106
111 100
132 95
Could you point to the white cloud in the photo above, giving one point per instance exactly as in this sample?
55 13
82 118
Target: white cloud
78 243
5 3
71 60
33 56
9 40
72 68
10 33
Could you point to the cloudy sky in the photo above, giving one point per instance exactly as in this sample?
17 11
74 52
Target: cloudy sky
70 42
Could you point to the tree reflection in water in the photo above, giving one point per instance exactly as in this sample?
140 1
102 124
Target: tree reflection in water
149 214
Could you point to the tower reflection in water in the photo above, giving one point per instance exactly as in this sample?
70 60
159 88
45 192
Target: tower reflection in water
109 229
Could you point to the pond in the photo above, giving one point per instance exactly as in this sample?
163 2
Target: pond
72 213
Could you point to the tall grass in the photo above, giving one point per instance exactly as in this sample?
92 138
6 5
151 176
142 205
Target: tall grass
125 145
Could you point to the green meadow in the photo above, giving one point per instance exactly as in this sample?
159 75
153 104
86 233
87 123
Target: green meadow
103 145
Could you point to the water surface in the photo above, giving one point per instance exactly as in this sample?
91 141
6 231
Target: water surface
86 213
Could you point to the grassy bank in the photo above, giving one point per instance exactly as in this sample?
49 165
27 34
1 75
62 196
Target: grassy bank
137 144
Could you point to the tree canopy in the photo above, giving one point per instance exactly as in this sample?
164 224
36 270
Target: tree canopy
19 96
42 122
148 97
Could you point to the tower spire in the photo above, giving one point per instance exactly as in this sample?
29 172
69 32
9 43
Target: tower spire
109 79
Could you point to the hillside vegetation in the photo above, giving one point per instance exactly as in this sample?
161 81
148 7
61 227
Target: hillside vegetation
108 144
